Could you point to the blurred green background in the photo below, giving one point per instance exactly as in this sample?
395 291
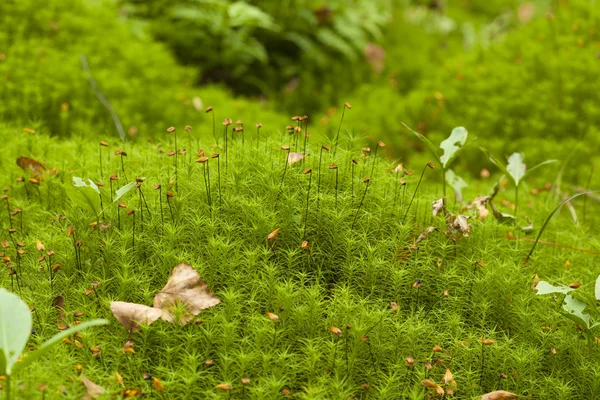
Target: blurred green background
520 75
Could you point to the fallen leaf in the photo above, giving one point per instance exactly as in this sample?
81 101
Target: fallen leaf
59 304
425 233
480 204
184 286
39 245
158 386
461 225
428 383
273 234
295 157
448 376
133 315
499 395
437 207
93 389
224 386
119 379
335 331
26 163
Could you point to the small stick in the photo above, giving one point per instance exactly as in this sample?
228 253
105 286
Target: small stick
100 146
132 212
428 165
258 126
348 106
216 155
172 129
309 172
334 166
204 160
367 181
162 218
226 123
285 148
5 198
169 195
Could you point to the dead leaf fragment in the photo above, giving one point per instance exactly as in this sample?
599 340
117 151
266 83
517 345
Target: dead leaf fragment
158 386
273 234
295 157
119 379
448 376
437 206
93 389
26 163
499 395
133 315
425 233
428 383
186 287
480 204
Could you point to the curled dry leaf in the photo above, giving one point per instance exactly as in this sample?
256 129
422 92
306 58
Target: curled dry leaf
26 163
437 207
119 379
499 395
295 157
480 204
273 234
425 233
133 315
186 287
448 376
93 389
428 383
461 225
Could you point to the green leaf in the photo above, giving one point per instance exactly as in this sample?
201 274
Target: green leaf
574 309
544 287
84 195
530 170
123 191
449 145
516 167
50 343
243 14
456 182
15 328
496 162
549 217
427 142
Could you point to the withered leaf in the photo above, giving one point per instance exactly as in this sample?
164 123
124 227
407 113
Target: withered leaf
119 379
26 163
499 395
93 389
437 206
186 287
425 233
447 376
461 225
480 204
428 383
295 157
59 304
133 315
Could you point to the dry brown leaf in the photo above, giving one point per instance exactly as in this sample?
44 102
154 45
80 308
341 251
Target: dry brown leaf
39 245
499 395
461 225
158 386
26 163
133 315
480 204
425 233
448 376
295 157
273 234
119 379
93 389
437 207
428 383
186 287
59 304
224 386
